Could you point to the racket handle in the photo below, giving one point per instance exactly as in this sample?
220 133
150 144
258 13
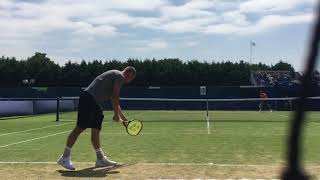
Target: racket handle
125 123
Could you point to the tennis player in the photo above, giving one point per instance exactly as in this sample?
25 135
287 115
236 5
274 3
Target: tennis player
264 101
104 87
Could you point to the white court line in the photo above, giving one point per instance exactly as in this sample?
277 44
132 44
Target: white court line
283 115
34 129
163 164
290 116
42 137
123 133
211 164
208 125
60 125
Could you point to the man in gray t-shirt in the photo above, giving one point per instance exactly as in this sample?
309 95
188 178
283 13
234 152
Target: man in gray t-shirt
103 88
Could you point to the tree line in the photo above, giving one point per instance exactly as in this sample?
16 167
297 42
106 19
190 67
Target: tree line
150 72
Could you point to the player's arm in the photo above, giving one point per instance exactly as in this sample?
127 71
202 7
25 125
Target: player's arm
116 105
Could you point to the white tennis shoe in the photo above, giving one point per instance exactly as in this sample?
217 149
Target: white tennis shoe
105 162
66 163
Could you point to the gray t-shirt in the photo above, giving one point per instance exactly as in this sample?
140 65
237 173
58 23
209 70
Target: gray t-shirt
101 88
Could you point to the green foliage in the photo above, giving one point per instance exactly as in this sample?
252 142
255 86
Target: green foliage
163 72
282 66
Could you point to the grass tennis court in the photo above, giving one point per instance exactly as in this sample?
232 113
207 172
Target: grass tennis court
173 144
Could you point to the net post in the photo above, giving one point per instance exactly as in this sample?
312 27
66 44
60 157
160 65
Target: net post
57 109
207 107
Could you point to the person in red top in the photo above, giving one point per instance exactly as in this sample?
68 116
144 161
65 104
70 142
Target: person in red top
264 101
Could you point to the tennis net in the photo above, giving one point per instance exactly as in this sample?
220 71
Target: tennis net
205 109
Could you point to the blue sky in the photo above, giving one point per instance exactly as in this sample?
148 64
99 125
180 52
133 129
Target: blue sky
206 30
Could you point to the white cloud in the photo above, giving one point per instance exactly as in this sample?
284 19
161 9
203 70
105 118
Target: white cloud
158 44
273 21
127 5
180 26
264 24
200 4
99 17
68 23
144 5
5 4
191 44
148 45
260 6
224 29
201 16
83 28
148 22
235 17
112 18
195 8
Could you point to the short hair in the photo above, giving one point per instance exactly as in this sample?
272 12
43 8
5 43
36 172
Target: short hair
131 70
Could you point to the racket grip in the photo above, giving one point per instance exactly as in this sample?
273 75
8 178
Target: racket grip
125 123
120 120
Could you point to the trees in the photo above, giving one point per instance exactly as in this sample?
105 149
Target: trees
150 72
282 66
11 71
42 69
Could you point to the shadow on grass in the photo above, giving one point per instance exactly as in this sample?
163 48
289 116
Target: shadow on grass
90 172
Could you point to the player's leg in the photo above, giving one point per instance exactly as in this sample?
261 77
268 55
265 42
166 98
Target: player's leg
102 160
268 104
82 123
260 106
72 138
65 159
95 140
95 125
83 119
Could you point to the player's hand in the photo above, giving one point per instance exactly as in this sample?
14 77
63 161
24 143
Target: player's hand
125 119
125 123
116 118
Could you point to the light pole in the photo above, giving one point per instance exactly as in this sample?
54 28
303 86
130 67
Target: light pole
251 45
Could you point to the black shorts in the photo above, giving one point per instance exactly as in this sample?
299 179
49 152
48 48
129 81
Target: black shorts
90 114
264 102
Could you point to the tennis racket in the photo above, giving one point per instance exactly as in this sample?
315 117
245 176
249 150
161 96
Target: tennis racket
133 126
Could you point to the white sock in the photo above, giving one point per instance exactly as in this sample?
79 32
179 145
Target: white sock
99 153
67 152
